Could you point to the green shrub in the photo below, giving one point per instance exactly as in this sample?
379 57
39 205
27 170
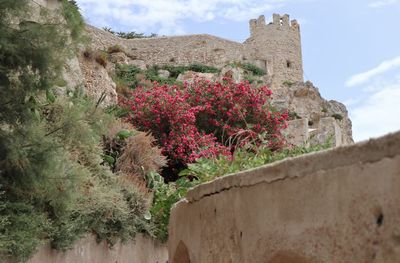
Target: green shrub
202 68
205 170
288 83
53 186
253 69
175 70
337 116
101 57
127 73
75 22
22 229
152 75
165 196
250 78
129 35
293 115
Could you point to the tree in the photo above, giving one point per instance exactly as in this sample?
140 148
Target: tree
53 186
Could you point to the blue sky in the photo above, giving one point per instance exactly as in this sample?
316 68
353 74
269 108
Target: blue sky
351 48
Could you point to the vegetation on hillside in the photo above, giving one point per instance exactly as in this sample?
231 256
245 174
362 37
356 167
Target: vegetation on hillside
129 35
56 184
207 169
128 77
204 119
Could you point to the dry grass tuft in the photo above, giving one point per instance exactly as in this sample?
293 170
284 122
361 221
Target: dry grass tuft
139 156
115 49
102 58
136 156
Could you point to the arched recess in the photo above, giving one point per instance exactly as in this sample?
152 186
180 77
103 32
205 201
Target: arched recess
181 254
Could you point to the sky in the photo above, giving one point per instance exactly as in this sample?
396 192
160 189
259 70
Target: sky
351 48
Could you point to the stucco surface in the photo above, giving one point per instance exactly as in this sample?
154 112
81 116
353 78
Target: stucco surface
341 205
87 250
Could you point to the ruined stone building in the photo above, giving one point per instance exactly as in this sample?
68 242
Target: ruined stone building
275 47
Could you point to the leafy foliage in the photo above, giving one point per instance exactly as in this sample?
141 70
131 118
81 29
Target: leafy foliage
207 169
205 119
152 75
53 186
202 68
245 158
129 35
254 69
337 116
74 19
130 76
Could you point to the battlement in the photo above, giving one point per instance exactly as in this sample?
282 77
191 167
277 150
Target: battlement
278 22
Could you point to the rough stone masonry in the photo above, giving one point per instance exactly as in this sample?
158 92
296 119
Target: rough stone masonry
275 47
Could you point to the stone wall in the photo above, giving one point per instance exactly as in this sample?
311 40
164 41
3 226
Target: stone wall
184 50
341 205
275 47
87 250
175 50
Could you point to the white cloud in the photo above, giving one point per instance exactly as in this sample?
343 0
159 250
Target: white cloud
169 16
381 3
376 110
364 77
377 115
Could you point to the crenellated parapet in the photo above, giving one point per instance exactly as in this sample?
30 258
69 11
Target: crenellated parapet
278 22
276 47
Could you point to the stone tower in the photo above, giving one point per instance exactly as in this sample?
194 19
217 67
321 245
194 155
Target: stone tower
276 47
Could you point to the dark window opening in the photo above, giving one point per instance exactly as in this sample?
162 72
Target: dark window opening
288 64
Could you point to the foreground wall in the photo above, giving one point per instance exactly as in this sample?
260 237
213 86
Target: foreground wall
341 205
87 250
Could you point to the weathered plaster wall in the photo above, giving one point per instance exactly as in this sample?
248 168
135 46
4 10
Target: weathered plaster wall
87 250
341 205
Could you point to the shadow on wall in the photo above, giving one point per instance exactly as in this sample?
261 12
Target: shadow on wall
181 254
289 257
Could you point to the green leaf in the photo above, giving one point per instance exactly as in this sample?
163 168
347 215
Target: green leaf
50 96
109 159
124 134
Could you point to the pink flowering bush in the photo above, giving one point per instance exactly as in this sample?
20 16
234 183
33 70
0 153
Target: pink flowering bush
205 119
237 114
